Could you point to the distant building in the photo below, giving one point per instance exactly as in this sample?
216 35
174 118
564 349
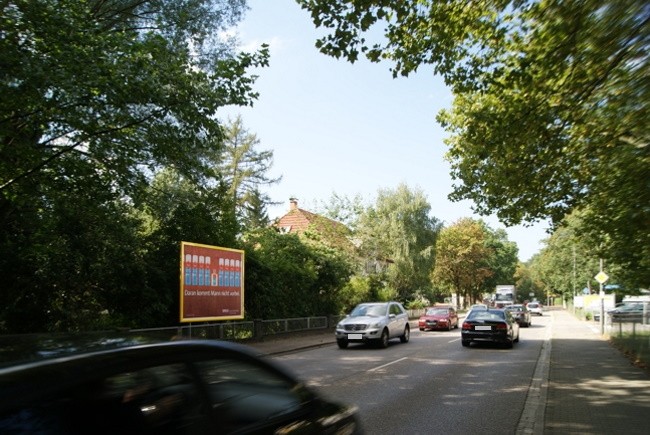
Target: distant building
299 221
331 232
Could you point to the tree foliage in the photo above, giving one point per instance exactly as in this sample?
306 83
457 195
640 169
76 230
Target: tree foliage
503 258
244 168
463 260
550 112
569 262
400 232
288 278
100 99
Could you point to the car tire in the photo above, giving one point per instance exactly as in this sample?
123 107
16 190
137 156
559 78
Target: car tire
509 344
383 340
342 343
407 334
465 343
421 329
449 327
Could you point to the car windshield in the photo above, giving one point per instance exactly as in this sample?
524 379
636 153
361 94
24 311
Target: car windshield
437 311
631 307
369 310
532 305
486 315
515 308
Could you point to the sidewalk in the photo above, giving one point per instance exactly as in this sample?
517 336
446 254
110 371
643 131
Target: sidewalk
585 386
593 388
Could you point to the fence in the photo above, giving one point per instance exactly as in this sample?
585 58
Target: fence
244 330
250 329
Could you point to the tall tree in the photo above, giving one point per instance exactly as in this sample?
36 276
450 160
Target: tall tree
286 277
503 261
98 96
255 213
400 231
463 260
550 112
243 167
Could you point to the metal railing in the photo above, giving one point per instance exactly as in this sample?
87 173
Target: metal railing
244 330
250 329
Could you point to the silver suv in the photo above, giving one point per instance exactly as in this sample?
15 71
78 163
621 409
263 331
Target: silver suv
375 322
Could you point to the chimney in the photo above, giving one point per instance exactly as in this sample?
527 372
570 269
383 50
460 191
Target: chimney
293 204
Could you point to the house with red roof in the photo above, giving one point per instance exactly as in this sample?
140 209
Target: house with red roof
300 221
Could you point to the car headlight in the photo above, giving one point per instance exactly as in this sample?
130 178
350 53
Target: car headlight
375 325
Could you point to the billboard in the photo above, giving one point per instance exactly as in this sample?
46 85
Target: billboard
212 283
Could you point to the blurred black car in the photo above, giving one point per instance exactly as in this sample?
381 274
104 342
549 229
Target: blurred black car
520 313
118 386
490 325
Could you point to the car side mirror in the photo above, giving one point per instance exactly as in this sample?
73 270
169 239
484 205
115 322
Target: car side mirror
392 316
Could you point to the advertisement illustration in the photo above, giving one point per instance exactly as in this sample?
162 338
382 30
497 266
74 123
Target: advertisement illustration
212 283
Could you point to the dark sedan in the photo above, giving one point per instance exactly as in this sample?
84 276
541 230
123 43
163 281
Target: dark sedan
116 386
520 313
492 325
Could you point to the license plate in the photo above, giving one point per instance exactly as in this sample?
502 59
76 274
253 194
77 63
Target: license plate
482 328
355 336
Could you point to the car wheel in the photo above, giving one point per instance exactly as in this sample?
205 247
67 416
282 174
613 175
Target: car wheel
343 343
421 329
449 327
383 340
407 334
465 343
516 340
509 344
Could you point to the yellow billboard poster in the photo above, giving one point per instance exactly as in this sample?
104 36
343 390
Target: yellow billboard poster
212 283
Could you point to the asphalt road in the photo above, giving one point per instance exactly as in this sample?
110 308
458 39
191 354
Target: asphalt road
431 384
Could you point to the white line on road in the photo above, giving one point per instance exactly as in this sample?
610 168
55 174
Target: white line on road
386 365
455 339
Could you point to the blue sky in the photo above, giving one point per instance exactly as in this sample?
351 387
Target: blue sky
349 129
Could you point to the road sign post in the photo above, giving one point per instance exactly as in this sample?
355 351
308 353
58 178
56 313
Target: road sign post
602 278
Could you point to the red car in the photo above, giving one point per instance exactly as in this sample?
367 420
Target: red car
438 318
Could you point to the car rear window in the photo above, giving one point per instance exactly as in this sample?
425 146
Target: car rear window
437 312
486 315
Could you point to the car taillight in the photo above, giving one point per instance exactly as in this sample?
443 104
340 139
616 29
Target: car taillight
467 325
501 326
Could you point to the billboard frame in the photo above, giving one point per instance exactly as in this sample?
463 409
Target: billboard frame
211 283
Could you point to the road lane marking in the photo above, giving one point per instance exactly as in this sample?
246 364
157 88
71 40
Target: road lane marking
388 364
454 340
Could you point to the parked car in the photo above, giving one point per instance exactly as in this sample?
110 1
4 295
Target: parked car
520 313
374 322
438 317
535 308
492 325
629 312
122 386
